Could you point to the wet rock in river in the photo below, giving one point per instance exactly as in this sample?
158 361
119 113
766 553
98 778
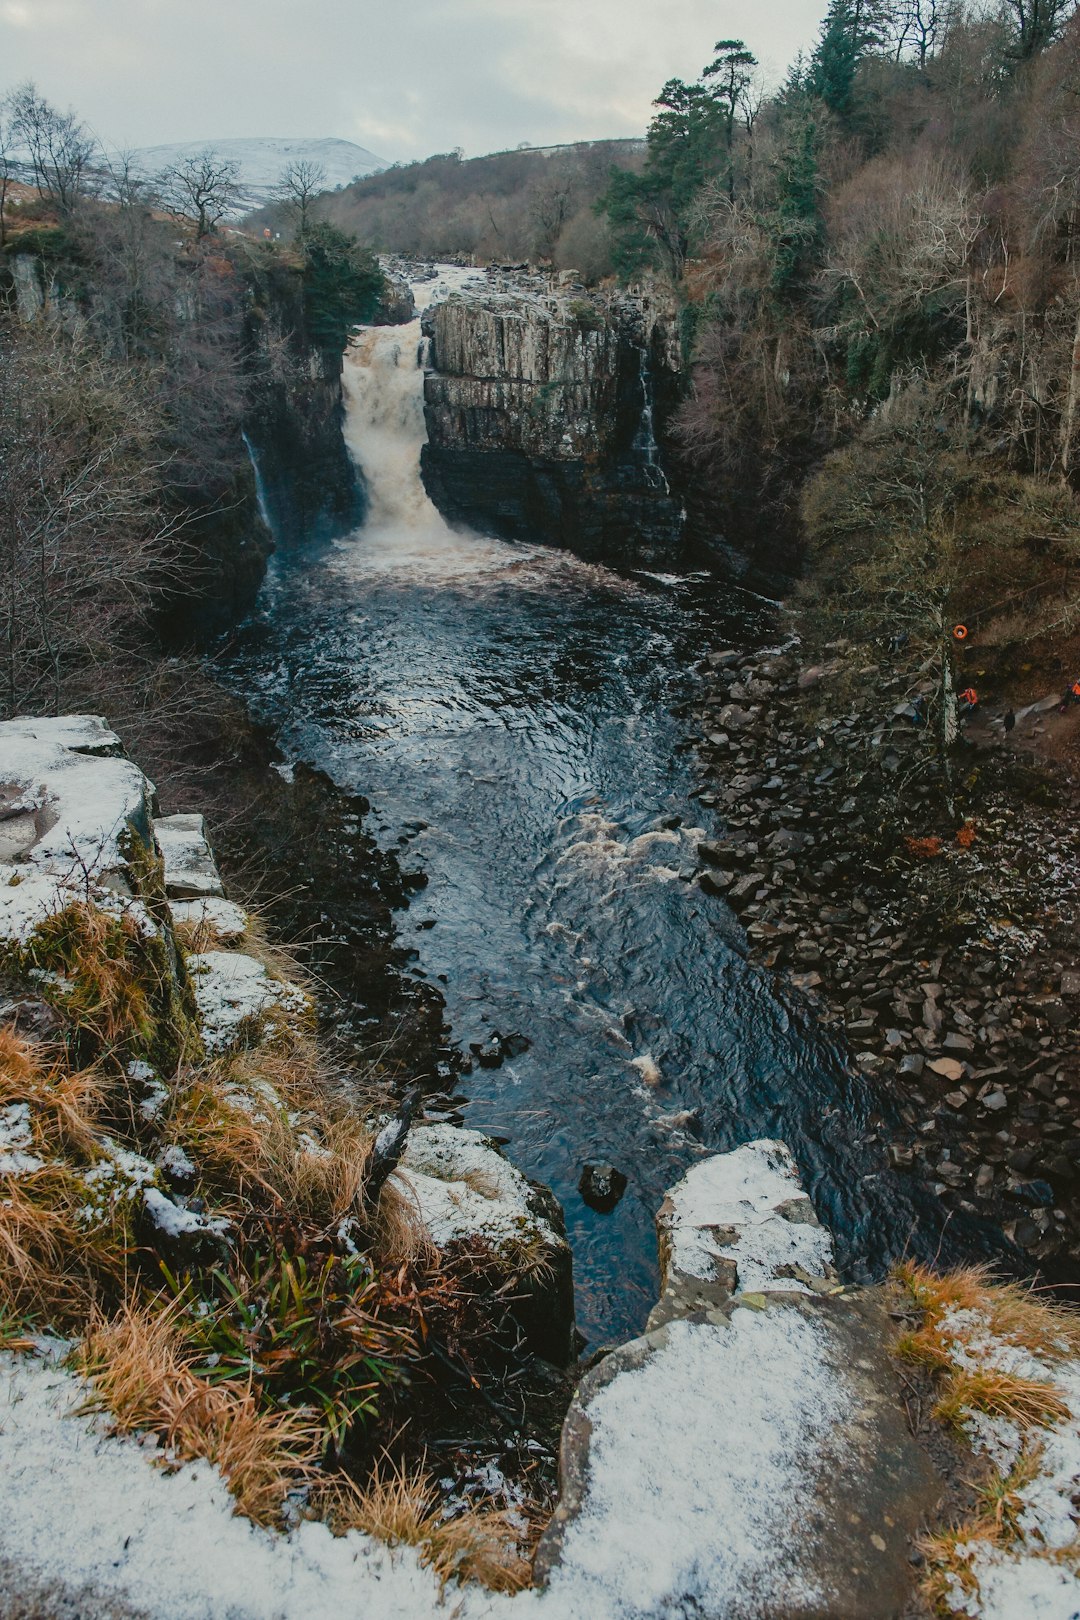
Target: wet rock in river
601 1186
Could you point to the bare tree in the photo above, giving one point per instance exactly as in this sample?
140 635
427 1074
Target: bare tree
917 28
301 182
61 150
201 188
551 202
7 165
1036 23
82 535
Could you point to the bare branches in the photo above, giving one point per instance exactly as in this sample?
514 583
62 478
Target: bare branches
200 188
301 182
83 541
61 150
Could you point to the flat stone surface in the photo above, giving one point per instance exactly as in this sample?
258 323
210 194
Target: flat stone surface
190 870
739 1221
744 1464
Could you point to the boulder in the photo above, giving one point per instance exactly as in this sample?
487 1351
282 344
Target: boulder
190 870
464 1188
601 1186
739 1222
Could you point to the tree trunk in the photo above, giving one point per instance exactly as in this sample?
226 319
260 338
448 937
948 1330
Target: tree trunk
1068 426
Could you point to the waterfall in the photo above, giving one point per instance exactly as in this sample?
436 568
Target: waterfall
384 425
260 486
645 438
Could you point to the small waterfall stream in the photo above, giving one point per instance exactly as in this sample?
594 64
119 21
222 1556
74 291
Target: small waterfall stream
261 500
510 713
645 439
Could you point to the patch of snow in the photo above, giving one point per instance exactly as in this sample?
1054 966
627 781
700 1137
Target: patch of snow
700 1463
235 993
465 1188
175 1162
730 1207
227 920
16 1135
114 1180
175 1222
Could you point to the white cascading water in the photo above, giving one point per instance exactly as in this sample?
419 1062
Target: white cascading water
385 432
260 484
384 425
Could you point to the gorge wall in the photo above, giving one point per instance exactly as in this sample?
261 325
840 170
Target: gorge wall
546 418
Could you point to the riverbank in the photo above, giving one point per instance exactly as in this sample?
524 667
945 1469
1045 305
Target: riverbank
946 958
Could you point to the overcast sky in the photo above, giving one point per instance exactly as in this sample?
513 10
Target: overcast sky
404 79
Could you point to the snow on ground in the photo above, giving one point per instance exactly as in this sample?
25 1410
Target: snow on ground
698 1469
16 1137
1022 1577
730 1207
235 994
465 1188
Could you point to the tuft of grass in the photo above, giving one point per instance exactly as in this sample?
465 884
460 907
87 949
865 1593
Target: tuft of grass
141 1374
65 1104
1028 1402
113 982
1012 1312
305 1333
398 1506
51 1263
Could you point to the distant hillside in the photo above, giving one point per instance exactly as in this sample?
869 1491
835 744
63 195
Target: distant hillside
262 160
526 204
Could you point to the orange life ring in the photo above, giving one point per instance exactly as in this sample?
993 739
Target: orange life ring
960 632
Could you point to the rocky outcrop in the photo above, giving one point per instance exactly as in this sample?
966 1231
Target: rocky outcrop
309 487
750 1456
546 416
466 1190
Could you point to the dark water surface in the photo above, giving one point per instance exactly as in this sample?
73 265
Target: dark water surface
518 702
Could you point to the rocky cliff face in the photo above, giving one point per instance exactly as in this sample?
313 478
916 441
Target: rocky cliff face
310 485
546 415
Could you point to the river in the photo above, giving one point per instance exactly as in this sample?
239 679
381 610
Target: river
509 712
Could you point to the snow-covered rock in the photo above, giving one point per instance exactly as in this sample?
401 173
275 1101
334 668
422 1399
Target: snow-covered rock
190 869
237 998
739 1222
464 1188
72 813
224 919
748 1456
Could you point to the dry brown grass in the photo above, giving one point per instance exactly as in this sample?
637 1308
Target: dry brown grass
65 1105
401 1236
278 1144
141 1374
51 1263
1029 1402
398 1507
1011 1312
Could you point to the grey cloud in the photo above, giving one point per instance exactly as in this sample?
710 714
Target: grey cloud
404 80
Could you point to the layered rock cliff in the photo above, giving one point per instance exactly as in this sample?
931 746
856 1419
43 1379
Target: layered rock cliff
546 415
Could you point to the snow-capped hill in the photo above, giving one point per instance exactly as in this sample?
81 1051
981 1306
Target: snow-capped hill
262 160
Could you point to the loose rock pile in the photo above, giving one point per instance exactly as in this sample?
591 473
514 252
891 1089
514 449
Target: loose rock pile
948 961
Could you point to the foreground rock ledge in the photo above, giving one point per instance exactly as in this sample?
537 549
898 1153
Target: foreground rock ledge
749 1456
